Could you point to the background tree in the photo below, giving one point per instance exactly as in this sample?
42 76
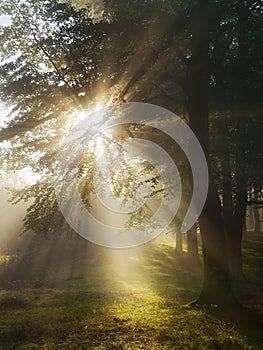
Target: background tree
238 118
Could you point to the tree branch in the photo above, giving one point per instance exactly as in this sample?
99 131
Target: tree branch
162 45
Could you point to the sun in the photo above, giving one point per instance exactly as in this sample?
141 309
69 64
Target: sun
79 115
98 107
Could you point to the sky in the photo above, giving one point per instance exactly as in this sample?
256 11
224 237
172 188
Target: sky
4 20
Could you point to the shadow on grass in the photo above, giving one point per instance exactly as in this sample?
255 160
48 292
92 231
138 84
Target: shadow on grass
63 264
253 259
108 299
247 321
171 274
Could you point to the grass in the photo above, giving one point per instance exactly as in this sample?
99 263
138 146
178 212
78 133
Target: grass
132 299
55 319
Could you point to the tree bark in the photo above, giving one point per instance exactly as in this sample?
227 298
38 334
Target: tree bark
236 230
192 243
228 210
256 219
234 215
245 226
216 288
178 242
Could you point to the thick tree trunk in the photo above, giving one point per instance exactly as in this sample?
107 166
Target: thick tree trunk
216 288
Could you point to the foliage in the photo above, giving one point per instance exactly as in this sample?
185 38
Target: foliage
50 79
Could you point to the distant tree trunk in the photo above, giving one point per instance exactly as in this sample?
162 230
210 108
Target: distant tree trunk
234 216
256 219
235 244
178 242
250 217
236 233
192 243
216 288
236 230
245 225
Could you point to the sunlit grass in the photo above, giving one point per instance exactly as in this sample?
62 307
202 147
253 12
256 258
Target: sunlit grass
52 319
112 299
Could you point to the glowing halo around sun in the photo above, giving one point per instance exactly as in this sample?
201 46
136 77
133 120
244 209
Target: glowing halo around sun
99 122
79 115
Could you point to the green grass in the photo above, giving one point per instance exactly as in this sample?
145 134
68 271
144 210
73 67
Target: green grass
54 319
132 299
253 259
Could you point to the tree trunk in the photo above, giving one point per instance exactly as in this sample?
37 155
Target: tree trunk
178 242
228 210
235 232
216 288
245 226
251 222
192 243
235 246
235 235
256 219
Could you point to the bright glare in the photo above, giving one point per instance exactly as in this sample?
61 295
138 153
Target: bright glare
78 116
3 114
98 107
19 179
99 146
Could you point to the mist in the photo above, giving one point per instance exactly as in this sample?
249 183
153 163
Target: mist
11 217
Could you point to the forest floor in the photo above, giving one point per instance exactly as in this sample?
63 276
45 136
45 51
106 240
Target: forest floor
73 295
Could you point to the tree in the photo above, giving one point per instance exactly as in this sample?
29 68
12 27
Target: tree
192 244
227 163
239 151
47 55
53 79
182 47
